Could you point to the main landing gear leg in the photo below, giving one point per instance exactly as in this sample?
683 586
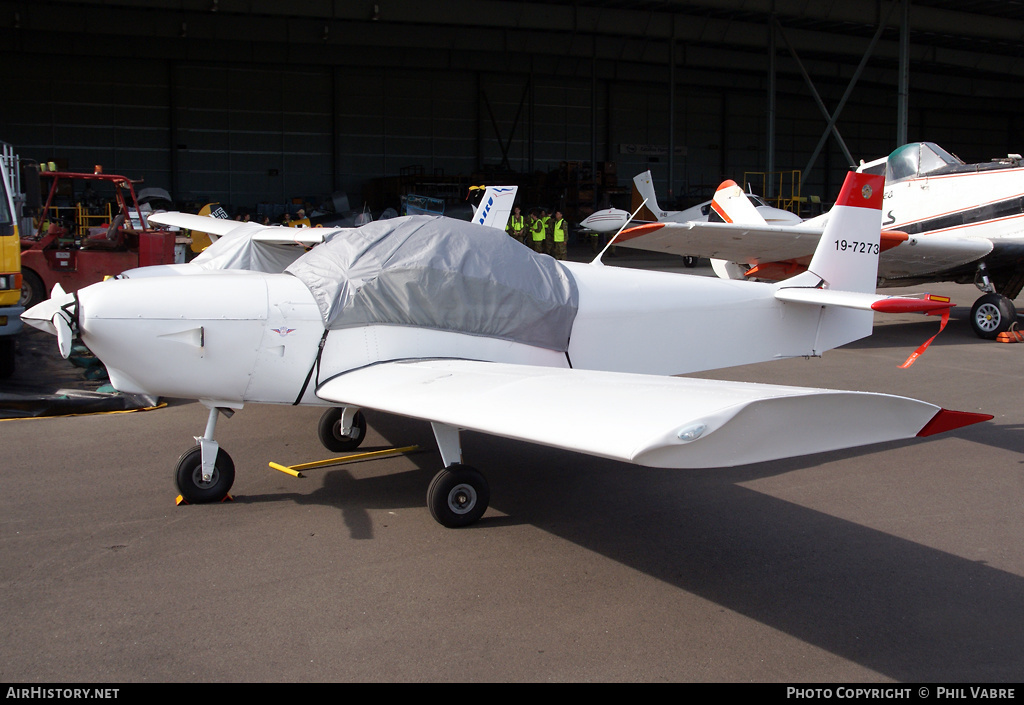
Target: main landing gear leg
459 494
205 473
342 429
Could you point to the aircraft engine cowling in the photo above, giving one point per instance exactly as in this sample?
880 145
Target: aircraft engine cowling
195 340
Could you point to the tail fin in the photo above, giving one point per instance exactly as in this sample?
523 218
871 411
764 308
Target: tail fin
495 206
841 278
731 205
643 189
846 258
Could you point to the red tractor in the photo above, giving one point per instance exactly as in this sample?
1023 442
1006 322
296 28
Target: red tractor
84 236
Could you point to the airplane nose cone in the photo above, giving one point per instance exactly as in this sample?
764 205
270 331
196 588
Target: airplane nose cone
56 316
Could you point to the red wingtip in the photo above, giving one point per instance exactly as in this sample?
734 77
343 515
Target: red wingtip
728 183
946 420
862 191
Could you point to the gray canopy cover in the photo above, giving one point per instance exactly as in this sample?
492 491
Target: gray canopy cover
441 273
240 251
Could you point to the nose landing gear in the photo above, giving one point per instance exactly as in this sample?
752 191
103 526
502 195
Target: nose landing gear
204 473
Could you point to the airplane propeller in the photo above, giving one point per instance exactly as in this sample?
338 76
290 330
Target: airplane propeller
57 315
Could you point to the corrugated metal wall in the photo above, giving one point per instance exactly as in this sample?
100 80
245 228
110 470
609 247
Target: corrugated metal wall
244 135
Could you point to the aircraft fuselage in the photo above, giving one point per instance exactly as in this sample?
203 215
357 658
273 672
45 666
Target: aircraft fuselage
254 337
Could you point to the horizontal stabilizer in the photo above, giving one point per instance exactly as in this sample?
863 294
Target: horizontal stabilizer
670 422
863 301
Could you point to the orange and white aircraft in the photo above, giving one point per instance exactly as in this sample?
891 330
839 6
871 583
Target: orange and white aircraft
943 220
645 202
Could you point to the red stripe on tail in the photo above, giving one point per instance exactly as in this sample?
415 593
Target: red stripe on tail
862 191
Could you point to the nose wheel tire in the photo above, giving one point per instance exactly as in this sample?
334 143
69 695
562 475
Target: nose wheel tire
991 315
188 477
458 496
329 431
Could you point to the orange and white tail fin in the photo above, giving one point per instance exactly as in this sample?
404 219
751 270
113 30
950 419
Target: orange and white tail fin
842 276
846 258
731 205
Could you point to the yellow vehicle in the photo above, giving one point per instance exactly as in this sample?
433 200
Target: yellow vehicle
10 263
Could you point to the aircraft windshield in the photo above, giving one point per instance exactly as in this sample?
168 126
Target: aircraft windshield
917 159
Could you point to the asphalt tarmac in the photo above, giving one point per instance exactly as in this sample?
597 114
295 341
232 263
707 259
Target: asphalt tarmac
899 562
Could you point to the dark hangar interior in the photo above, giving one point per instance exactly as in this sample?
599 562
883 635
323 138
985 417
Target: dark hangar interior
247 102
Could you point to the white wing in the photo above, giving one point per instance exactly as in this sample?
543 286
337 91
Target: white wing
918 255
274 234
737 243
643 419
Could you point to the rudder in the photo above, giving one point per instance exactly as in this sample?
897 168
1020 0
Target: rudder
846 258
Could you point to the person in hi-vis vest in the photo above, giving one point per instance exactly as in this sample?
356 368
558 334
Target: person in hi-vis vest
537 233
559 236
517 225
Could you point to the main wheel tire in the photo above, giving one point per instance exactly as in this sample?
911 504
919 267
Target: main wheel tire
188 477
32 289
991 315
689 261
458 496
329 431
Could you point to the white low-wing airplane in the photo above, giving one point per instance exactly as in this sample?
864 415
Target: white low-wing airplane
460 325
944 220
610 220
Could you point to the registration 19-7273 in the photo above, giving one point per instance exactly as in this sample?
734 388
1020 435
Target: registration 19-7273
868 248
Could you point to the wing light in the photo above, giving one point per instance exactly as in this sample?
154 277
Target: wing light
692 432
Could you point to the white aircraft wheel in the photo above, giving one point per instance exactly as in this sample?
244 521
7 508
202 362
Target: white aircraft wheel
458 496
329 431
188 476
991 315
